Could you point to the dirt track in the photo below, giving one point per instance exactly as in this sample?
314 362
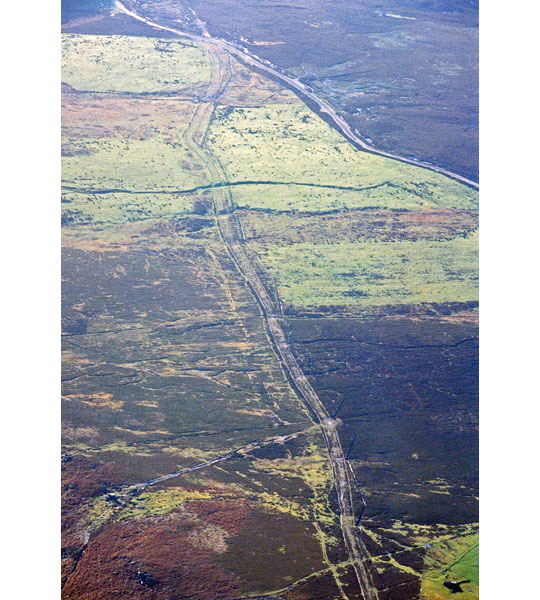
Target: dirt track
324 106
233 238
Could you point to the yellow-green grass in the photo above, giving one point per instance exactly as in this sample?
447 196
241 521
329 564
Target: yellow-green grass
115 209
375 272
131 165
132 64
287 143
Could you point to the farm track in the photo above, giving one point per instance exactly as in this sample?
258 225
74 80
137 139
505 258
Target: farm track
290 82
233 237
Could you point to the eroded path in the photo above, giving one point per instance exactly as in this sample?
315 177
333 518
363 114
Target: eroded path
233 238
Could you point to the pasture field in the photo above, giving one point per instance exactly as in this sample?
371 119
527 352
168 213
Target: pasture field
124 159
110 209
327 197
148 165
375 272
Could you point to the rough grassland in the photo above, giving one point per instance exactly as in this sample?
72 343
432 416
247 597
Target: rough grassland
375 273
166 362
112 209
353 225
286 143
311 198
114 116
131 165
132 64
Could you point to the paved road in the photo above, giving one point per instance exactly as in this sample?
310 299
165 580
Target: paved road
298 85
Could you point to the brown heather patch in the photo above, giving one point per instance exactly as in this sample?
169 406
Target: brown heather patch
353 225
82 479
272 550
160 550
248 88
226 514
97 116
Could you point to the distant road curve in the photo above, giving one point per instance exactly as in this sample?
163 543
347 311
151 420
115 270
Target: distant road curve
298 85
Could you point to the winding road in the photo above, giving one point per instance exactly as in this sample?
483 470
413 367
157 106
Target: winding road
296 84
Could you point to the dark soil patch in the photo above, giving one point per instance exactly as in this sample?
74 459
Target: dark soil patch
114 25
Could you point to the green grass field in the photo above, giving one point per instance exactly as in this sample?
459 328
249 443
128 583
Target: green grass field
113 209
301 198
130 165
454 560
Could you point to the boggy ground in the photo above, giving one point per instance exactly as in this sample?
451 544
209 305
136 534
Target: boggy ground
168 368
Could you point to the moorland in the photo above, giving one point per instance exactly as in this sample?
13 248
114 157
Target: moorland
404 75
215 287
